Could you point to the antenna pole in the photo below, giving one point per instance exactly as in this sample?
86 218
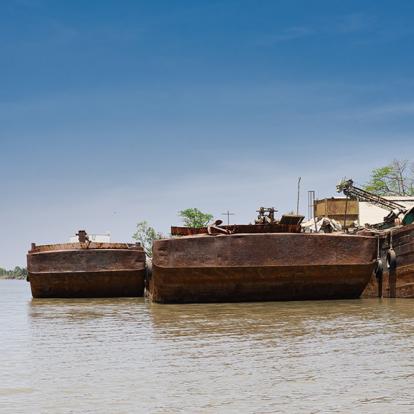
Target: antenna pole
297 204
228 214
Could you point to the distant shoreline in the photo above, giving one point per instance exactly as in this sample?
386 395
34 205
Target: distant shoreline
18 273
12 277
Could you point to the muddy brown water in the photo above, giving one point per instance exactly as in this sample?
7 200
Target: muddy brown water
130 356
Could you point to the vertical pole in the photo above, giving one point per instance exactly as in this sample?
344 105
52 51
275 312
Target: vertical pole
297 204
228 214
346 214
311 206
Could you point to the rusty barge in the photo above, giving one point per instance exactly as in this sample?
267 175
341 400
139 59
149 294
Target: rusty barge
86 269
266 261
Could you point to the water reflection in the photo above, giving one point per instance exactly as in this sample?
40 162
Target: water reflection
289 318
78 309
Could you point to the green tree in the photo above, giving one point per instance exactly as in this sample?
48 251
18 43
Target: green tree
395 179
145 234
19 272
193 217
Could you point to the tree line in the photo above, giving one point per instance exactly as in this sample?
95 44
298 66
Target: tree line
17 273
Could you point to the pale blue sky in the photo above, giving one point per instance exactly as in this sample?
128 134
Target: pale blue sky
112 112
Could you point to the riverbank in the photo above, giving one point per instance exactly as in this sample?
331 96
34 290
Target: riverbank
12 277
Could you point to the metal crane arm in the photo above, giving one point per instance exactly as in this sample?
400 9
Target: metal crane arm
348 188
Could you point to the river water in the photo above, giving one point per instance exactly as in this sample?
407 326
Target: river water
130 356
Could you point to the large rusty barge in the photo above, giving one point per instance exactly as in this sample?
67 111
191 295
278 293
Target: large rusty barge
86 269
259 262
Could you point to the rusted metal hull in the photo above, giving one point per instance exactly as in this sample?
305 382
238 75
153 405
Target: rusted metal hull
73 271
401 283
260 267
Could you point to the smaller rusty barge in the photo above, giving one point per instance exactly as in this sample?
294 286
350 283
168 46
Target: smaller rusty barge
259 262
86 269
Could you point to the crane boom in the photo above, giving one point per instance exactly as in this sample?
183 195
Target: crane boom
348 188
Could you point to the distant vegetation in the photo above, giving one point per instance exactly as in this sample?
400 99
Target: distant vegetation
395 179
16 273
193 217
145 234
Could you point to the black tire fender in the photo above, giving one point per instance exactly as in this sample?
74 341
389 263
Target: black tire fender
379 269
391 259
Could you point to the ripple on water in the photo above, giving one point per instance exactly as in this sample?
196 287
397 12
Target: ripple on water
127 355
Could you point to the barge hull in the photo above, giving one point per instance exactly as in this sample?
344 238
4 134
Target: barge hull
260 267
258 284
73 271
87 284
